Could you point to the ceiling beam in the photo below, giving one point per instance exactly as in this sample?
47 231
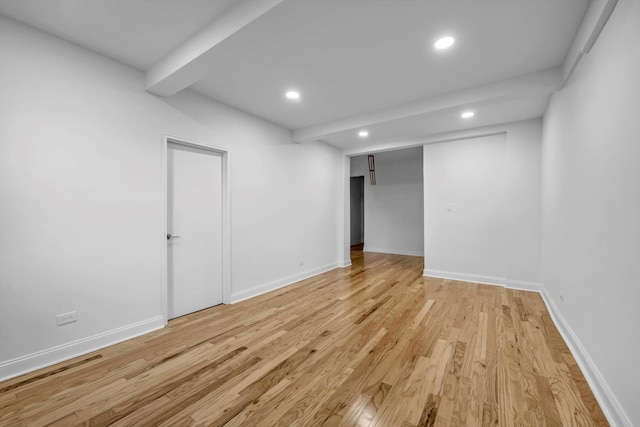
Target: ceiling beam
430 139
593 23
192 60
545 81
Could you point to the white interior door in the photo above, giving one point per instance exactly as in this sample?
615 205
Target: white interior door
194 227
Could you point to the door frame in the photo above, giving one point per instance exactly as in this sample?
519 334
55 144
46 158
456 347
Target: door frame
226 219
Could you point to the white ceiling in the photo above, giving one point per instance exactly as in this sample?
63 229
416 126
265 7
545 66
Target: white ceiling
357 63
136 32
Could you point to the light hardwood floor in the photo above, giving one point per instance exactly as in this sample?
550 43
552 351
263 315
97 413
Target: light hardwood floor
375 344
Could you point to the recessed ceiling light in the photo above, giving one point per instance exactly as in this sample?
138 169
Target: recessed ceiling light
467 114
293 94
444 42
363 134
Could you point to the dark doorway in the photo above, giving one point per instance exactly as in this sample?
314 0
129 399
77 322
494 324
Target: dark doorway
357 211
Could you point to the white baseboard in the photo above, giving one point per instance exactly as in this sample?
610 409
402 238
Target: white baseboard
523 286
601 390
345 263
393 251
31 362
485 280
280 283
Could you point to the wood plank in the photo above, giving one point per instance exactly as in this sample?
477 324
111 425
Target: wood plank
373 344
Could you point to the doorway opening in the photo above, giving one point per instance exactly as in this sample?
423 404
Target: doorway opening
357 212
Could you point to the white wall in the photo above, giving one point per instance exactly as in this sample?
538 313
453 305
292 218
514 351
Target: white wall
482 207
591 215
394 207
523 263
465 208
81 203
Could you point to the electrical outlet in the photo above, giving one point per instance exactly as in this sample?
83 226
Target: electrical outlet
65 318
562 295
300 263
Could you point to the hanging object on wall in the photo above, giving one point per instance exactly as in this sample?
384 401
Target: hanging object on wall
372 169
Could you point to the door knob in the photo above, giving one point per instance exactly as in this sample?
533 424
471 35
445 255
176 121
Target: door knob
171 236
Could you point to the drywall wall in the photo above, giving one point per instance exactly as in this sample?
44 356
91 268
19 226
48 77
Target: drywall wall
523 186
394 207
482 207
591 212
464 193
81 198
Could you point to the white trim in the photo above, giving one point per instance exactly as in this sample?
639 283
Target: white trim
164 291
345 263
41 359
523 286
393 251
280 283
485 280
226 218
463 277
608 403
344 211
